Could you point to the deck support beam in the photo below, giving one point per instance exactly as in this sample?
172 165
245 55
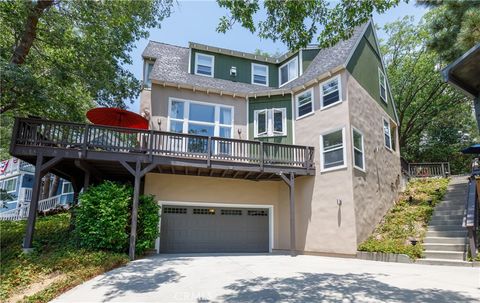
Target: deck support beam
41 170
290 181
138 174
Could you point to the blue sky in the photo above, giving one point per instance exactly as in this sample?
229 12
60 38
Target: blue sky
196 21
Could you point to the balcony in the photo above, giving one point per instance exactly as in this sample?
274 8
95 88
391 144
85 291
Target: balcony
101 148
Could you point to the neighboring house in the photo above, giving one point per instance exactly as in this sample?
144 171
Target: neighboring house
336 99
16 178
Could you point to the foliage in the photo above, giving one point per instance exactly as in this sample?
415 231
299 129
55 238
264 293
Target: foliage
103 218
60 57
436 121
55 258
296 25
407 219
453 27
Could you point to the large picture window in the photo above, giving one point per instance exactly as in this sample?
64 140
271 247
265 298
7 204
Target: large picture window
259 74
332 150
270 122
304 103
383 85
288 71
204 64
330 92
358 150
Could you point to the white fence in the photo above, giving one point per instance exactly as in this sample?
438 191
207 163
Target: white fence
22 212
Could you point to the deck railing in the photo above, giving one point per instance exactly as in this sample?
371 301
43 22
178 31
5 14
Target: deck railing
87 137
434 169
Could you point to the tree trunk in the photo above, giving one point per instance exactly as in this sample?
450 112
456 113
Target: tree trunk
54 189
30 32
46 186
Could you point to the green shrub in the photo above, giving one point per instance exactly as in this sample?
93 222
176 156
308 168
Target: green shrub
104 214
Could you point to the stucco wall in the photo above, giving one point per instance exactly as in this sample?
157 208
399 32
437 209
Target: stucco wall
322 225
159 106
178 188
376 189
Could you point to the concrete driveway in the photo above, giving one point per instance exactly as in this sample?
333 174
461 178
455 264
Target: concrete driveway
277 278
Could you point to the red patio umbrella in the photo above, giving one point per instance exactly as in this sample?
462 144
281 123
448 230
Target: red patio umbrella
112 116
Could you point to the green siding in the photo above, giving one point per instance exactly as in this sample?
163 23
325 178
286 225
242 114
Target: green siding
266 103
364 65
223 63
307 57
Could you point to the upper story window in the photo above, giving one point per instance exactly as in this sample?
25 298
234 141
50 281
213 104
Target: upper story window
358 150
147 82
200 118
204 64
304 103
387 134
259 74
288 71
10 185
330 92
270 122
383 85
332 150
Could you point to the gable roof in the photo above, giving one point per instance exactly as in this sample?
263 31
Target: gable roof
172 68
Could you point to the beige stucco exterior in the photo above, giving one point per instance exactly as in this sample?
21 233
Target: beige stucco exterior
335 210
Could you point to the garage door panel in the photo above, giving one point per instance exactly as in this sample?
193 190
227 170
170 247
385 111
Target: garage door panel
217 229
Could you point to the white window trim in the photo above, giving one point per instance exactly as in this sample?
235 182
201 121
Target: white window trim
322 159
297 104
216 124
389 133
354 129
5 183
267 77
280 74
380 72
63 187
269 116
340 95
196 64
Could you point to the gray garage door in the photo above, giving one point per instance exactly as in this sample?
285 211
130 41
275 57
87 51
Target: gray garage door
213 229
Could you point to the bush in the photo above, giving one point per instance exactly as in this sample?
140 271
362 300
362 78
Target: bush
104 214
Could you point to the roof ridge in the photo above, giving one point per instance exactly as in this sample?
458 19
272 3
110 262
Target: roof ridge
169 44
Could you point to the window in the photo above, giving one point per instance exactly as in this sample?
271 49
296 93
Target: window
147 82
270 122
383 85
204 65
10 185
67 188
305 103
204 211
330 92
231 212
257 213
174 210
358 150
200 118
332 150
387 134
288 71
259 74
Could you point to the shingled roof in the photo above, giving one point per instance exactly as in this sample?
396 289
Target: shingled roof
172 68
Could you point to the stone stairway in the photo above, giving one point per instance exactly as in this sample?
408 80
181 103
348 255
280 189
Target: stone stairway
445 241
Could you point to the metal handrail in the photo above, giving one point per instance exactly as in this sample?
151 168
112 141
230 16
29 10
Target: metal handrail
471 216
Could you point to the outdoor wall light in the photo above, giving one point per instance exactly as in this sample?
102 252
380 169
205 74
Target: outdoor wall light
233 71
339 202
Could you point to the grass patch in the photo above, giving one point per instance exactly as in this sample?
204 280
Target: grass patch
55 259
407 219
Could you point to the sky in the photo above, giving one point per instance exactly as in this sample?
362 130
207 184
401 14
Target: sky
196 21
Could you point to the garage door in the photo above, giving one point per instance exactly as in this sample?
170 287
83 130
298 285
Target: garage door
213 229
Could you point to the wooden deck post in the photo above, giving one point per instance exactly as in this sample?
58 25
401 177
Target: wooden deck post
291 185
136 194
32 213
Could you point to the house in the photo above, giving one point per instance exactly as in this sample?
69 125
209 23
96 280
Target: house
335 99
16 179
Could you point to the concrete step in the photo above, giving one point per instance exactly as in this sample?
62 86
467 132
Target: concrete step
438 254
446 227
438 217
444 212
446 233
444 262
449 208
446 221
460 204
445 240
444 247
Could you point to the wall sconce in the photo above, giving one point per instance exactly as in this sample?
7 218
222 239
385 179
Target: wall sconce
339 202
233 71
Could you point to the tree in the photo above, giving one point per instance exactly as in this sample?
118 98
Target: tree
60 57
454 27
426 105
296 23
